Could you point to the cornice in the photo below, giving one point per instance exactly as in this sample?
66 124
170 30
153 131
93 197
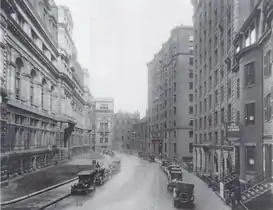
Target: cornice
15 28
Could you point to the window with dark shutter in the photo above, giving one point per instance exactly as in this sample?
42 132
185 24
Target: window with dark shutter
249 74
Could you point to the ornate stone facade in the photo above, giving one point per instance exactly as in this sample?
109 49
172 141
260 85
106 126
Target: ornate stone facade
49 105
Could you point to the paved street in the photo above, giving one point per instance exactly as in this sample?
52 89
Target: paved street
139 186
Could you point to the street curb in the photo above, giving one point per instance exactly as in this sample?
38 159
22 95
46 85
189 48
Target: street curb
53 202
37 193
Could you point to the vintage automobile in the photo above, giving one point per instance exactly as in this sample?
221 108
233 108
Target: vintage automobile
114 167
183 195
173 177
85 184
165 164
151 158
171 167
103 175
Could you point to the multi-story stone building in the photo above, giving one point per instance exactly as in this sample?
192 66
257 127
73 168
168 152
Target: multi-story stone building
104 109
170 96
140 135
46 94
123 128
252 65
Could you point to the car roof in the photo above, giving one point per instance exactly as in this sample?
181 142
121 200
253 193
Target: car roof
89 172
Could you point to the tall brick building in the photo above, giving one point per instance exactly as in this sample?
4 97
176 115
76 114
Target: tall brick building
170 96
49 105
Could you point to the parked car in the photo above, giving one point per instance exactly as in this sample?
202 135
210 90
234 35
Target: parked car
86 183
171 167
102 176
173 177
183 195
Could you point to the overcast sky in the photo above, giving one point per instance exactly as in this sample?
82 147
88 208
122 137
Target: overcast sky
116 38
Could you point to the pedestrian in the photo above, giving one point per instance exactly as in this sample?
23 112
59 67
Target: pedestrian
232 196
238 194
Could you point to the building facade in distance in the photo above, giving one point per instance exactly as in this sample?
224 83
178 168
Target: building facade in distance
104 109
140 135
46 94
170 96
123 128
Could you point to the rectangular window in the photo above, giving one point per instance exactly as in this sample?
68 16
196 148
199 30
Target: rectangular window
101 140
216 77
191 123
174 148
191 109
190 134
267 108
216 97
222 115
267 64
238 116
190 85
200 107
229 88
191 97
106 140
205 105
205 122
174 110
200 123
229 113
249 74
215 118
222 136
190 75
190 148
250 114
191 61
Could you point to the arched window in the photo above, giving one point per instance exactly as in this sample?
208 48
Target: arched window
43 93
32 79
18 67
51 97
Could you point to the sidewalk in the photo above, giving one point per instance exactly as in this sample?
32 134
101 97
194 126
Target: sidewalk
47 177
205 197
43 200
